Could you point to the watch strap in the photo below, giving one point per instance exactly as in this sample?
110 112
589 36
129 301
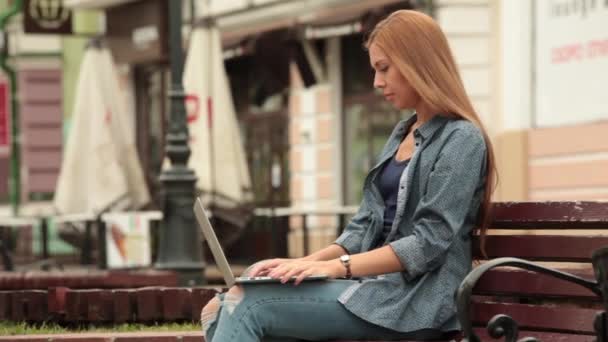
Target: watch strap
345 260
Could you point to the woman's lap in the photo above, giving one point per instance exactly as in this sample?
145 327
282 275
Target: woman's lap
310 311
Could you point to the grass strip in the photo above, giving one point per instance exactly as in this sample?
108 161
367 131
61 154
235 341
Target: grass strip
23 328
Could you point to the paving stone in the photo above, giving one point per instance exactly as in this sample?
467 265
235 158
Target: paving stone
75 306
5 305
17 307
36 305
29 305
56 301
125 305
100 305
149 304
176 303
200 298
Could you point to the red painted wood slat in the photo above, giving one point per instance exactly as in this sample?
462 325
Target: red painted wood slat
549 215
521 283
534 317
482 333
542 247
542 336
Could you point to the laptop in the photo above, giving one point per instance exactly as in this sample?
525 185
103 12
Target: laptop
220 258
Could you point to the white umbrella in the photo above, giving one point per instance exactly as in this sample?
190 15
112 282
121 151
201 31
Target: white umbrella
100 167
217 155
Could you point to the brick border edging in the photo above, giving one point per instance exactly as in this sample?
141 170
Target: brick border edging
111 337
141 305
34 280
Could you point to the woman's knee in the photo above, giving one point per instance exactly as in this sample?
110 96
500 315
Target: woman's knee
209 315
231 299
235 291
212 307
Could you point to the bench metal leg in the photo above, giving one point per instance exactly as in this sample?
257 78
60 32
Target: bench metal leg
599 259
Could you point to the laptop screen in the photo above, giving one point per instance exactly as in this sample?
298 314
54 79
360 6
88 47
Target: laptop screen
214 244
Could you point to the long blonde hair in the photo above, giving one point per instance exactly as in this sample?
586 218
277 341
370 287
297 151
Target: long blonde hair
415 44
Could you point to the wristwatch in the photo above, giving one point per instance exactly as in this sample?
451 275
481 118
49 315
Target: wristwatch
345 260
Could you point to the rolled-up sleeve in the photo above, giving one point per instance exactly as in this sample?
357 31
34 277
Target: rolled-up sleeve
352 237
443 209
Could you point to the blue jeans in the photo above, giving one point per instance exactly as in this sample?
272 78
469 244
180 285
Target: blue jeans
310 311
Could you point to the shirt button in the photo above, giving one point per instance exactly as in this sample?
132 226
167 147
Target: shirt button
417 144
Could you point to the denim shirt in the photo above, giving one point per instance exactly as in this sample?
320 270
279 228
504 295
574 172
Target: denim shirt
439 196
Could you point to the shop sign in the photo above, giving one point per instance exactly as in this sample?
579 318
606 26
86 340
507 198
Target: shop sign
571 62
47 17
142 38
128 240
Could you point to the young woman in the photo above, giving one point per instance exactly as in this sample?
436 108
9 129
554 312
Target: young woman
409 244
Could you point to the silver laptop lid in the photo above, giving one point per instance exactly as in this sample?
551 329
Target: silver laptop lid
213 243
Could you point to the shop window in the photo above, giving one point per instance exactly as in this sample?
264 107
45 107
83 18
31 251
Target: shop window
259 85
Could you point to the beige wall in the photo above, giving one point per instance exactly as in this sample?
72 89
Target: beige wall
471 32
312 166
569 162
511 150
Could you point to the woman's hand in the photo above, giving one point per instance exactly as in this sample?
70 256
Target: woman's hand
262 268
301 269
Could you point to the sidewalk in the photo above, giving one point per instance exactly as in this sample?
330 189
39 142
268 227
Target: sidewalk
186 336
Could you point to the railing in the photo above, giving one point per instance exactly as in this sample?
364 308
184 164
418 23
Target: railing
272 218
19 222
340 212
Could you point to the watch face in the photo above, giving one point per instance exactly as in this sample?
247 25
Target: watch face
345 258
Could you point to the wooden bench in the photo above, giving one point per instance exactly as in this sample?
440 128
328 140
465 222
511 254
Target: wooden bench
556 303
547 304
551 304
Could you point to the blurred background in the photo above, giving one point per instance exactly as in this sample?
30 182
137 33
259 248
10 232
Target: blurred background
284 121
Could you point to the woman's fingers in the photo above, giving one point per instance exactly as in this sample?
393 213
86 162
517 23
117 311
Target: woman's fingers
301 276
280 270
295 271
265 266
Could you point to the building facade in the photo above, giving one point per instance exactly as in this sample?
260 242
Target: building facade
302 87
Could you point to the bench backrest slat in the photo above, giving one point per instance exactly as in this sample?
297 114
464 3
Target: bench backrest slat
516 282
550 215
541 336
561 248
557 319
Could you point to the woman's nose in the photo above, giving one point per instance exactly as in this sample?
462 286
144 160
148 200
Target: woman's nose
379 81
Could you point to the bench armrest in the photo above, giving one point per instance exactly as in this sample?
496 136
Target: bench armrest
503 325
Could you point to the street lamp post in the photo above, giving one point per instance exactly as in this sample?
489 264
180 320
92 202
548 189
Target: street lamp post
179 245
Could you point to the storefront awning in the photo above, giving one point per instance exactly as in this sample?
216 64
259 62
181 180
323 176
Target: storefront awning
319 19
94 4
